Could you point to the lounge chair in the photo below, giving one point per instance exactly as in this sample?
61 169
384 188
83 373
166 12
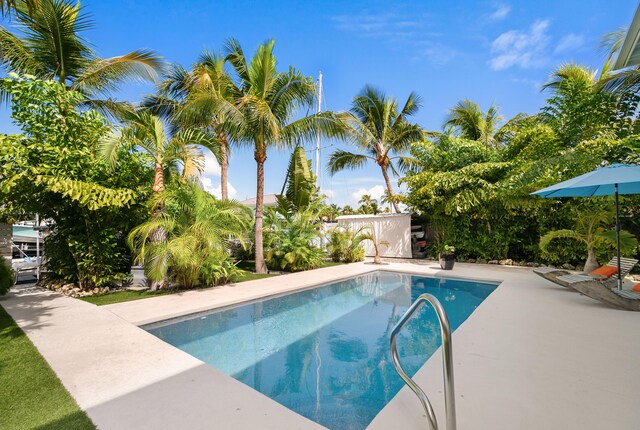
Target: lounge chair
565 278
606 292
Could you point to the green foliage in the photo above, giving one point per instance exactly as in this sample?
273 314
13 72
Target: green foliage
291 239
51 169
345 244
300 182
381 131
197 230
49 45
591 232
478 198
471 123
6 277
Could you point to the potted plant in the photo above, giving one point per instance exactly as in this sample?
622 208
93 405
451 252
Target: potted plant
447 257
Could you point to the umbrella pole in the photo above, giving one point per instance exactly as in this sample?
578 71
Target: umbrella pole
618 238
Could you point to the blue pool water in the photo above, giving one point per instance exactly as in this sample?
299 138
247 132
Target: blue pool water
324 352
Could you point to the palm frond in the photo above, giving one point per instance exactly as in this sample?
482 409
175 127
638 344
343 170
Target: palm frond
103 76
341 160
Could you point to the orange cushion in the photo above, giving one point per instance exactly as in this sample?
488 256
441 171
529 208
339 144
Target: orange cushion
636 287
606 271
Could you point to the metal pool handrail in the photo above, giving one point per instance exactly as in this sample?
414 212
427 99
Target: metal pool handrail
447 362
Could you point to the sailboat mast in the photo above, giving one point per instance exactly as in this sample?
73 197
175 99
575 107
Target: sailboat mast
318 135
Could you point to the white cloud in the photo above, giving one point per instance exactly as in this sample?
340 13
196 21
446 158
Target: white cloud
328 193
404 29
568 43
501 11
520 48
375 24
207 184
435 52
211 166
376 192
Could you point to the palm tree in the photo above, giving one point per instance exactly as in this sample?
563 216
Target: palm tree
52 47
331 212
198 228
471 123
191 98
376 127
146 132
347 210
590 232
263 110
365 200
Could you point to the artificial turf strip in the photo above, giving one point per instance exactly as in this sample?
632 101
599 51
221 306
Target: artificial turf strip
127 296
31 395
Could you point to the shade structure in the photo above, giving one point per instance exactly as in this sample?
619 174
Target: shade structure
605 181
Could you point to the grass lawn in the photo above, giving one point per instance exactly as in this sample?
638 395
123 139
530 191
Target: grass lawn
31 395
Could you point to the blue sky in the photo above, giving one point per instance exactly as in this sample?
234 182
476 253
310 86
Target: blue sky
487 51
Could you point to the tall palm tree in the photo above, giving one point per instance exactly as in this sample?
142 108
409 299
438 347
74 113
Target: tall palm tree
52 47
469 120
376 126
263 111
190 98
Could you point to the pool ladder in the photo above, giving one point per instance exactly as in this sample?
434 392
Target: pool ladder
447 362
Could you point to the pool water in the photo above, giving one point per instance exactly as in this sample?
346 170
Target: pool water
324 352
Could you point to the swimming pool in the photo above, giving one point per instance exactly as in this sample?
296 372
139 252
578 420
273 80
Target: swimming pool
324 352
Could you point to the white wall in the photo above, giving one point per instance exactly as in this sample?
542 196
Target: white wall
393 228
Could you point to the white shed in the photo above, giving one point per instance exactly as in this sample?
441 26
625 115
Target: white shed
392 228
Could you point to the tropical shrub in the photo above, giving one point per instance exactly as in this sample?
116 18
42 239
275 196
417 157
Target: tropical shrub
291 239
345 244
6 277
51 169
197 230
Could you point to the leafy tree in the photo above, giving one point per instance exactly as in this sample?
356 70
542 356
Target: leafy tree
51 169
376 127
198 230
52 47
471 123
263 112
578 110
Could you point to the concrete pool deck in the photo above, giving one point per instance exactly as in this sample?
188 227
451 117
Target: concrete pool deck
533 355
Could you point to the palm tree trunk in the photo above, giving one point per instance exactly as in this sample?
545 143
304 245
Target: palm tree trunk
260 157
389 188
159 234
224 167
592 263
158 180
